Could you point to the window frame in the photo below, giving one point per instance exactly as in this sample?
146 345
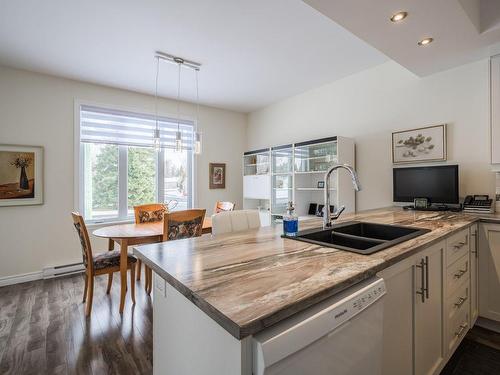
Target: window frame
79 176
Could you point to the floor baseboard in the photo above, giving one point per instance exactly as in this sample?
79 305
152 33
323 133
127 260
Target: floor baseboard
18 279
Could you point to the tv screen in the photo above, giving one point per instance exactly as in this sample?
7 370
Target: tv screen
438 184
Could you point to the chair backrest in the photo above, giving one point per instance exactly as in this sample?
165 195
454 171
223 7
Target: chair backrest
223 206
183 224
235 221
149 213
83 235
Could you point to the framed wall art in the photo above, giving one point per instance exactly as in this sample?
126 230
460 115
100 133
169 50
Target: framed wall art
21 175
419 145
217 176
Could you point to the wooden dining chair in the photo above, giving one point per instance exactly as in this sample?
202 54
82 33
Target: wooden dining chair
148 213
178 225
99 264
223 206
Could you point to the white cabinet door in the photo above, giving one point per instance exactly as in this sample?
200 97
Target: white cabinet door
495 109
257 186
428 296
474 274
397 351
489 271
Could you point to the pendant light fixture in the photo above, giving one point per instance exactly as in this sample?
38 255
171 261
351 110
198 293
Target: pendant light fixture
156 133
197 133
197 136
178 134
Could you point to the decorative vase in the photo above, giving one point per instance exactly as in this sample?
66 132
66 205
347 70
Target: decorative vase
23 180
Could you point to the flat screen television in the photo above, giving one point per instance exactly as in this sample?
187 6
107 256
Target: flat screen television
438 184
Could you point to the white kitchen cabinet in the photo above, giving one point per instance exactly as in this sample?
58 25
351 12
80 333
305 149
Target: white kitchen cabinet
489 275
257 186
413 314
429 354
474 274
495 109
398 318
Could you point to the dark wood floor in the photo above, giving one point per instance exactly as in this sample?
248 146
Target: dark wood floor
478 354
43 329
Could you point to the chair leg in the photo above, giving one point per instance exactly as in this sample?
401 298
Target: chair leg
110 282
90 296
150 281
132 283
146 278
138 270
86 287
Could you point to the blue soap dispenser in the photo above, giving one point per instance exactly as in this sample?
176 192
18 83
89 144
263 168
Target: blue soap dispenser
290 221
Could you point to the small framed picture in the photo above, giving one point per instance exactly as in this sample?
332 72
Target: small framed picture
21 175
217 176
419 145
321 184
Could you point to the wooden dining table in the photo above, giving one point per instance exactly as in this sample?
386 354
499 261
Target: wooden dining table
135 234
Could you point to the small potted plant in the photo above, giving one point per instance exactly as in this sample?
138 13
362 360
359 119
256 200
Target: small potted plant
22 161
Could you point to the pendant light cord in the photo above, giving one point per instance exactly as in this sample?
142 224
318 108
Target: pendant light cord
156 91
197 101
178 97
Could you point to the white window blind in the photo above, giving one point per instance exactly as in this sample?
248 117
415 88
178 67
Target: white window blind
99 125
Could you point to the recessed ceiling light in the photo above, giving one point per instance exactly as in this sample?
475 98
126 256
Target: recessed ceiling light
425 41
399 16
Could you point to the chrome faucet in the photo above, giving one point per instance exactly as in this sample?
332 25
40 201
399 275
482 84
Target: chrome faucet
328 217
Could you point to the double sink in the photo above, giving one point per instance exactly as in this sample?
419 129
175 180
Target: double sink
359 237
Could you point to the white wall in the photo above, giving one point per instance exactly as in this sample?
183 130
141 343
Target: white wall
370 105
38 109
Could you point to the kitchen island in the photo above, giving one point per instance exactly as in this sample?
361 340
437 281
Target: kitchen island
233 286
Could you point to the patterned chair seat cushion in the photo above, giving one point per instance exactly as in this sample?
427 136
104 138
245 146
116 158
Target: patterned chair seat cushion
110 259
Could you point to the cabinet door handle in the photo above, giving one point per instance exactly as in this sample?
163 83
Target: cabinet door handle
422 279
459 245
463 327
427 277
461 301
476 243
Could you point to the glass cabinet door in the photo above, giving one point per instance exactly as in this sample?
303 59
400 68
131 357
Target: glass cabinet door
282 193
282 178
255 164
312 158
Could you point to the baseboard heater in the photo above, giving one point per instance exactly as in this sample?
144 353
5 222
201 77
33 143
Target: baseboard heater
58 271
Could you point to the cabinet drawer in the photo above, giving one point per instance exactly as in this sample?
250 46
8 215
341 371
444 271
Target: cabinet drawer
457 246
456 274
458 301
457 329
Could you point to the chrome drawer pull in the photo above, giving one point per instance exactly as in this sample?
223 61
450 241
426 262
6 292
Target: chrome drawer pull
460 302
459 245
460 332
460 273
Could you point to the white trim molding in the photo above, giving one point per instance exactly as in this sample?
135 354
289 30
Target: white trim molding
23 278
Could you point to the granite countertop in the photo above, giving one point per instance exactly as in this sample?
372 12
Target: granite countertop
247 281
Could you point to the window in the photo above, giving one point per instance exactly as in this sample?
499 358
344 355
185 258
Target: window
119 169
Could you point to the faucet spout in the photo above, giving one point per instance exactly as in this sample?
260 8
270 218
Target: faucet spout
327 215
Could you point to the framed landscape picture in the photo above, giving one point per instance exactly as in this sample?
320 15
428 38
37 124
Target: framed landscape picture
21 175
217 175
419 145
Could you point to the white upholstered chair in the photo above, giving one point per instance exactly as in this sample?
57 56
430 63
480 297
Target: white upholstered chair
235 221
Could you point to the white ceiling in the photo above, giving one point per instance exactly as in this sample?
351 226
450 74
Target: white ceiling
253 52
463 30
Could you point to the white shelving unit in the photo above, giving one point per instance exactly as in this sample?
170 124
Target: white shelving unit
311 161
292 173
257 183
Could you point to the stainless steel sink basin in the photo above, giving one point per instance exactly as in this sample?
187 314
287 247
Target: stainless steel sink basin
359 237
